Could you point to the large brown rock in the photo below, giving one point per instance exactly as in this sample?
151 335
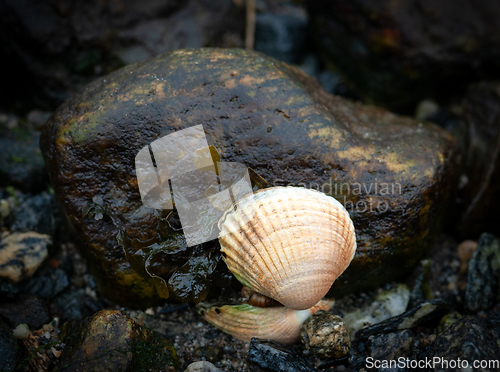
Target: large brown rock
393 174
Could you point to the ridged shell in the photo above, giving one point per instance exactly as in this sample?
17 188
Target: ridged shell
288 243
271 323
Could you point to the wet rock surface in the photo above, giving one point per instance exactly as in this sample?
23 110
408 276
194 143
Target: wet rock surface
261 113
468 339
483 280
391 346
270 355
400 51
111 341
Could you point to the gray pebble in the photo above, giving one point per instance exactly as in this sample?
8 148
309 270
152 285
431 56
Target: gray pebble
468 339
268 354
202 366
483 280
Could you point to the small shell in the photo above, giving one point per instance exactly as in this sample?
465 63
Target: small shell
271 323
288 243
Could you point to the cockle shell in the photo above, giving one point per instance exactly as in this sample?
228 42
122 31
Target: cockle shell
271 323
287 243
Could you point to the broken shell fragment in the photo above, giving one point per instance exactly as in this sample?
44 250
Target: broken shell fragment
271 323
287 243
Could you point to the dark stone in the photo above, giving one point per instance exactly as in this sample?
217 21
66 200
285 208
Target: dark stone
110 341
425 312
483 277
468 339
270 355
36 214
266 115
494 325
76 305
21 162
49 284
282 32
421 289
55 48
480 141
399 52
8 349
30 310
8 290
391 347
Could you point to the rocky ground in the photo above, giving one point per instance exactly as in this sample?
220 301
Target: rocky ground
61 289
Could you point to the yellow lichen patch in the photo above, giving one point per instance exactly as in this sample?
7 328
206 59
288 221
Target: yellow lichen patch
328 135
249 80
304 111
396 163
231 83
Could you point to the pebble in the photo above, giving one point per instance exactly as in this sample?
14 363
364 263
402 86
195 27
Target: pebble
22 253
421 314
386 305
21 331
468 339
36 214
49 285
326 335
4 209
391 346
21 162
202 366
483 279
421 290
282 34
37 118
465 251
426 109
270 355
75 304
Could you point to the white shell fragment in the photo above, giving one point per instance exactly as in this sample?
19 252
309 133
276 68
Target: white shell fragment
269 323
288 243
